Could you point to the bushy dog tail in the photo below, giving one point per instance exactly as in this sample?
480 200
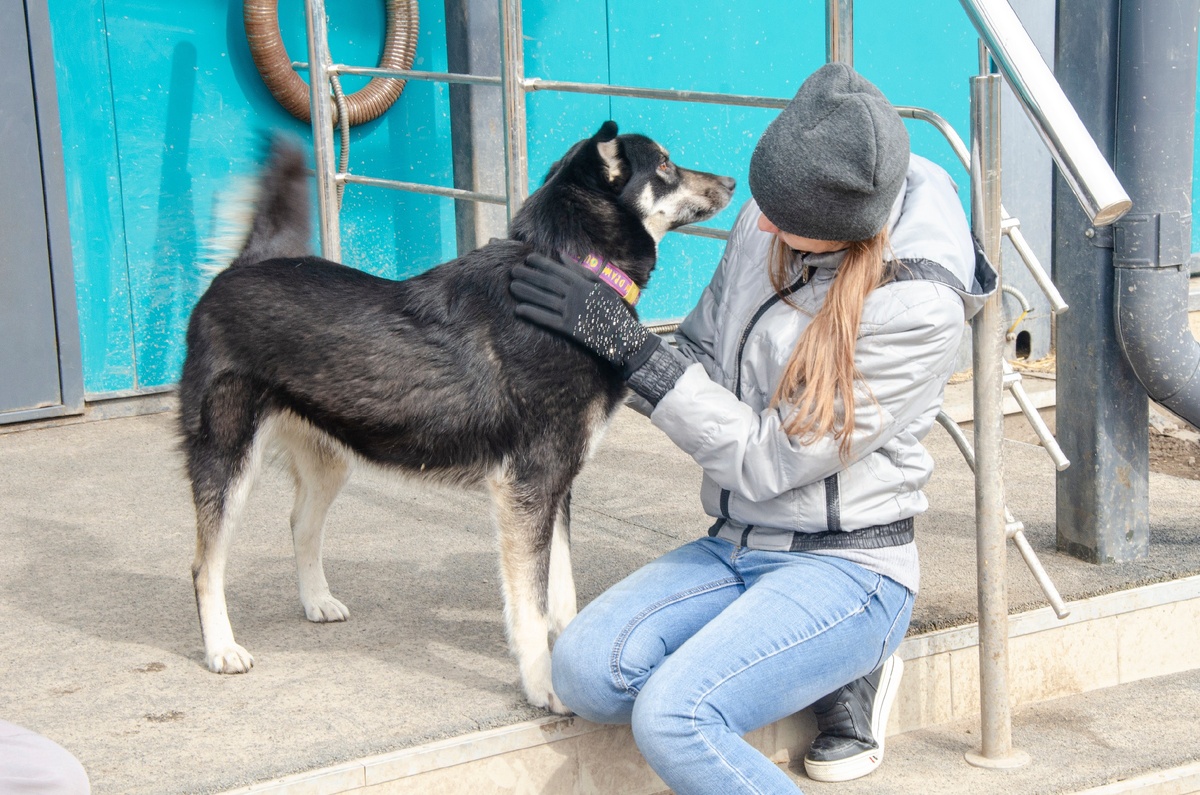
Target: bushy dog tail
266 218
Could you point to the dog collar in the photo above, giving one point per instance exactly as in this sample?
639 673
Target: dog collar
613 276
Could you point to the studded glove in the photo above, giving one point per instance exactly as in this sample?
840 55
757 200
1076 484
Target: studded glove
573 302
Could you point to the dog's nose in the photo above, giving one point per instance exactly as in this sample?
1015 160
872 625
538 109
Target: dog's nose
729 183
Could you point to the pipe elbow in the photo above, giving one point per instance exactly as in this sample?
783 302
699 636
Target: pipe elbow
1150 315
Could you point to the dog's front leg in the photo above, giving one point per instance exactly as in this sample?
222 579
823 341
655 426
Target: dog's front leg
525 527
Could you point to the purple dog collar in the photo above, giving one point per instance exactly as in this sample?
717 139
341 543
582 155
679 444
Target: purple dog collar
613 276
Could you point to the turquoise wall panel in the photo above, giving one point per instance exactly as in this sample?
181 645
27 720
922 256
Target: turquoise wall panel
563 41
93 181
149 161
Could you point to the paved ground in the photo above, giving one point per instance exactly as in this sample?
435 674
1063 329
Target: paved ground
102 649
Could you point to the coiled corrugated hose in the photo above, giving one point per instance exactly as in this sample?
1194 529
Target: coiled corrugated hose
261 18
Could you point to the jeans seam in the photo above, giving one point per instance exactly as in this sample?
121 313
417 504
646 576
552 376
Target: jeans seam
696 706
732 768
619 646
891 629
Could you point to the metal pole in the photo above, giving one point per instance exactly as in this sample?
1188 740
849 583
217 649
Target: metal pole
322 127
991 538
839 31
1080 161
1103 499
512 88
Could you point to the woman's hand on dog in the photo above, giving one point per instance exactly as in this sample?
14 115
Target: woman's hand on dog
571 301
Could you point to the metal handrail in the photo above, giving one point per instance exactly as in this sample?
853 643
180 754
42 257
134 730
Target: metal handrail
1092 180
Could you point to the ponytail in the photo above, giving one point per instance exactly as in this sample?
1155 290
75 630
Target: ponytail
819 380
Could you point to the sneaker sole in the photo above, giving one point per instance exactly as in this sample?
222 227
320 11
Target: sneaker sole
861 764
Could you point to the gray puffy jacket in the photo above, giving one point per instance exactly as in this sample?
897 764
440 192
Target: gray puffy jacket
763 486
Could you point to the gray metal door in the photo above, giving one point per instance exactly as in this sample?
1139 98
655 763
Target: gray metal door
36 291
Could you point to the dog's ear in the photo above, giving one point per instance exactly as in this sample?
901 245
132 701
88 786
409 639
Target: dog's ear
607 132
605 139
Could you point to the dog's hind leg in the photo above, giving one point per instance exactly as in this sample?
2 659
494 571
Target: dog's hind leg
526 514
560 596
320 469
222 470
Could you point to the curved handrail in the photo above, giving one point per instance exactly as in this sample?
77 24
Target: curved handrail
1083 166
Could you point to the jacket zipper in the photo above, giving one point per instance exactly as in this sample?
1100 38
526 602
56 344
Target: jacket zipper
737 391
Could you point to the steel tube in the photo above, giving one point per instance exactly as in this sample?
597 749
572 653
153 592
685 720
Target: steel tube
1083 166
407 74
943 126
322 126
1047 439
988 338
1012 527
512 89
669 94
1043 579
839 31
1057 304
420 187
960 438
704 231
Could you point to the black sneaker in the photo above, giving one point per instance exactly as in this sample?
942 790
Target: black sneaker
852 721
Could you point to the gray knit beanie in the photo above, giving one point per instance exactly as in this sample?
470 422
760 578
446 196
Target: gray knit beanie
831 165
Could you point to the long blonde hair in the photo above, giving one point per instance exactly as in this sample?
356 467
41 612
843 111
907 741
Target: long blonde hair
820 377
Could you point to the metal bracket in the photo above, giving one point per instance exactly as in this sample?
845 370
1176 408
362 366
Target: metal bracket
1151 240
1099 236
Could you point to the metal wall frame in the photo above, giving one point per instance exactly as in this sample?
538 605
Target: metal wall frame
62 274
1005 50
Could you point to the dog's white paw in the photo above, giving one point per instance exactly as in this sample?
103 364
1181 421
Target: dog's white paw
231 659
557 707
324 609
540 692
547 699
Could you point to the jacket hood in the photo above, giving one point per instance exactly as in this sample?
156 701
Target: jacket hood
930 236
932 231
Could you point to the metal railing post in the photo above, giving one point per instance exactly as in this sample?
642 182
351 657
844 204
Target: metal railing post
512 89
991 538
839 31
319 63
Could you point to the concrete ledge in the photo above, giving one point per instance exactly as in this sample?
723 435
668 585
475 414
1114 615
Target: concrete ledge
1177 781
1107 640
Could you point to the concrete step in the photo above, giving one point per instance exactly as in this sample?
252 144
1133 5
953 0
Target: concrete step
1136 738
1107 695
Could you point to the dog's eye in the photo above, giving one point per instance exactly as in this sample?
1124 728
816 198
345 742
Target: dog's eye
664 166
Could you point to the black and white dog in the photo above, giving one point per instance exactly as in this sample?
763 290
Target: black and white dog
430 376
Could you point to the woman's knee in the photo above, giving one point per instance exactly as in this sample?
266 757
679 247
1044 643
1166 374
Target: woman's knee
581 672
667 713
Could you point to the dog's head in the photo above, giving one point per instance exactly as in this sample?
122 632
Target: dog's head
617 196
665 195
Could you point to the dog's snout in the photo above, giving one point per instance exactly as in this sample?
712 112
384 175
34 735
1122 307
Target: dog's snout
729 183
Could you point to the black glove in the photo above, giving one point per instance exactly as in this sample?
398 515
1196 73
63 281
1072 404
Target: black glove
573 302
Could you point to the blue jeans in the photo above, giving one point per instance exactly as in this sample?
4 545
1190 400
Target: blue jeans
712 641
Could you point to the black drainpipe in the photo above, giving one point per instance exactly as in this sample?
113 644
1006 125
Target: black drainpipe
1156 94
